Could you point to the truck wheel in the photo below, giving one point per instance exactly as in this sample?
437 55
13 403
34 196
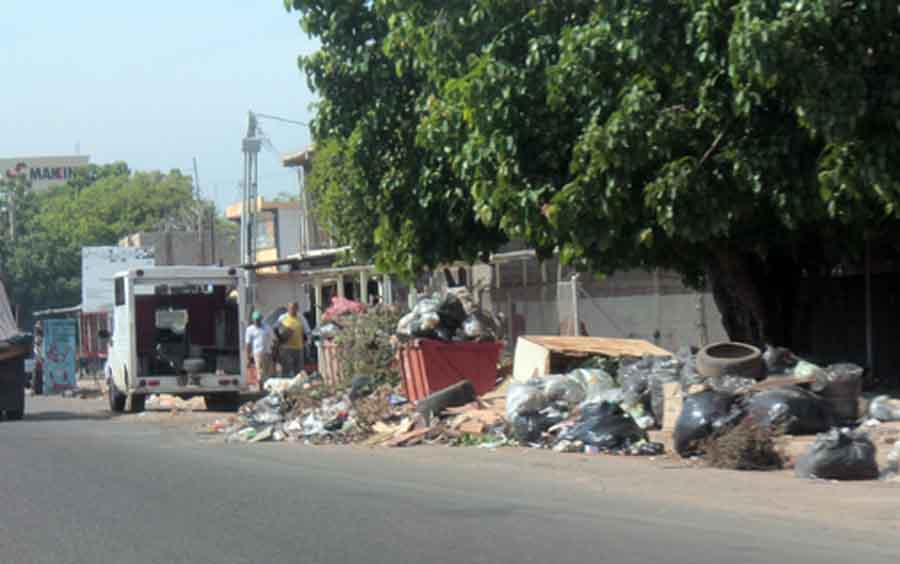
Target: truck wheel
15 415
116 400
137 403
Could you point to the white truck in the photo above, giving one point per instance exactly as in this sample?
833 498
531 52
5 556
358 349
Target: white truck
177 330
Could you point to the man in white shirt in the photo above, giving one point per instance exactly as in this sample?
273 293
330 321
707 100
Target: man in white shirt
259 347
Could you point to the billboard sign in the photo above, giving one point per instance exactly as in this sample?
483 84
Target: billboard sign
43 172
60 355
99 265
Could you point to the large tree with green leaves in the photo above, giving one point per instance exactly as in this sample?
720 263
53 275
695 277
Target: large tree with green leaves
745 143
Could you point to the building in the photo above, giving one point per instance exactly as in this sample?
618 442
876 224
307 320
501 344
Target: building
186 248
278 230
43 172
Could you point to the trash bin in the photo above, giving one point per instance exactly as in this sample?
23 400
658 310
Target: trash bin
428 366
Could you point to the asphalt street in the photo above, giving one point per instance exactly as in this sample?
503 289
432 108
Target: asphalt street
82 488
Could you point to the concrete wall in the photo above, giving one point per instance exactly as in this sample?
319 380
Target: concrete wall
184 248
288 232
279 290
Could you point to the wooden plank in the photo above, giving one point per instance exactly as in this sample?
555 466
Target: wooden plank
779 382
594 345
471 427
404 438
672 404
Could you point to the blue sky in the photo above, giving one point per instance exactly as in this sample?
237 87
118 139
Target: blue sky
154 84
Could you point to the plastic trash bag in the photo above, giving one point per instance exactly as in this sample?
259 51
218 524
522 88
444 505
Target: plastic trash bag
702 415
480 326
404 326
606 427
883 408
842 388
329 330
804 369
634 376
800 412
451 312
522 399
426 305
731 384
562 388
839 454
778 360
595 381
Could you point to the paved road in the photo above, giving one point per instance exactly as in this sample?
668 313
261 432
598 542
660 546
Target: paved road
80 489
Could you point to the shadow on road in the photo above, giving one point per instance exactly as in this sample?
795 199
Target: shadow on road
65 416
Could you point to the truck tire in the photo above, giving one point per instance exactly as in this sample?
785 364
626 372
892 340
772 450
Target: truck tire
116 399
137 403
729 358
229 402
15 415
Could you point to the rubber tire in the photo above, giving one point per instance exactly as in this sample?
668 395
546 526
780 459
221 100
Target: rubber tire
138 401
229 402
116 400
730 358
14 415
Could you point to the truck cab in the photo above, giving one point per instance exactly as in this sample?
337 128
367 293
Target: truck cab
177 330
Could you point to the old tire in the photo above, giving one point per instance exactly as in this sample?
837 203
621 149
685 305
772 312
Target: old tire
137 403
116 399
729 358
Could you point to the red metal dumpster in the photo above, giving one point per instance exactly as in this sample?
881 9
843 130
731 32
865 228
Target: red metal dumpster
428 366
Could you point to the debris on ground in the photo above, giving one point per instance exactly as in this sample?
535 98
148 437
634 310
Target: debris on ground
749 445
173 404
839 454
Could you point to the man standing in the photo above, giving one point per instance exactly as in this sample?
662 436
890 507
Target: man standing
259 345
294 329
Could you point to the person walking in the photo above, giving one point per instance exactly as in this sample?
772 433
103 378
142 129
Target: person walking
259 346
294 330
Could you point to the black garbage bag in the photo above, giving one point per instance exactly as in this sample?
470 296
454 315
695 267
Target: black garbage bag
480 326
778 360
634 377
425 325
452 313
839 454
606 427
799 411
841 389
703 415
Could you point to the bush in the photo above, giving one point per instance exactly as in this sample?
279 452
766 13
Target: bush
746 446
364 347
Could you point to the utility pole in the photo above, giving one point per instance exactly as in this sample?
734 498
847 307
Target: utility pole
250 188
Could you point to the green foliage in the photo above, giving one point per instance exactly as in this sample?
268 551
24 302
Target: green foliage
99 206
710 137
364 347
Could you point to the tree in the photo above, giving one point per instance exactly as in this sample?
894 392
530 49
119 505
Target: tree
99 206
416 212
746 144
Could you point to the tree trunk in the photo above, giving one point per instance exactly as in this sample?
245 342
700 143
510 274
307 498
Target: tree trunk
754 297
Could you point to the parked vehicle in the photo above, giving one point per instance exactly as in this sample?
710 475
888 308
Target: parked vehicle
177 330
14 347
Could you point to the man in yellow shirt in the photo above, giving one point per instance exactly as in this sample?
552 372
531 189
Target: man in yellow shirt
295 329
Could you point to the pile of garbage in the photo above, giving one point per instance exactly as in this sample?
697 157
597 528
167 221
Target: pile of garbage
336 317
302 409
585 410
455 315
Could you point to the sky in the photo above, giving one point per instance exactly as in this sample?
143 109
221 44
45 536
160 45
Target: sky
155 84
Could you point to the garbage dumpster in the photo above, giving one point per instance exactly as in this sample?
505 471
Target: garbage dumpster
428 366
